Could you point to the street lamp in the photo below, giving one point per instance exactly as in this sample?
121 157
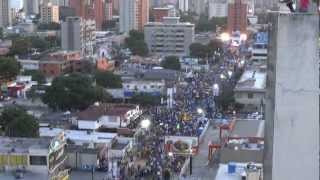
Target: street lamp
170 154
225 37
230 74
199 111
222 76
145 124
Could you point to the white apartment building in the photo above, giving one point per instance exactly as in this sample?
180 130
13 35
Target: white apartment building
170 37
218 8
49 13
78 35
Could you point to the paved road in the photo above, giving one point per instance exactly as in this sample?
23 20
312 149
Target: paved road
201 169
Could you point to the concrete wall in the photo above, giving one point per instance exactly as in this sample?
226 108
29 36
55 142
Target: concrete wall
292 101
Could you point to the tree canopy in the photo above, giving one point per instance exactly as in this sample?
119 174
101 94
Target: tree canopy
9 68
36 76
204 24
15 122
171 62
73 92
199 50
108 80
23 45
135 42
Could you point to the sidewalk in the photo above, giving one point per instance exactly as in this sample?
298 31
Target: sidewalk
200 168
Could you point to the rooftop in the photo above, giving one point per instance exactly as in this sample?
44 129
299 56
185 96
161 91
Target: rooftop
248 128
252 80
78 136
94 112
23 145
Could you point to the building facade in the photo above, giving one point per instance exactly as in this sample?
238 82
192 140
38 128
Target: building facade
4 12
218 8
183 5
78 34
170 37
31 7
128 17
108 10
237 16
49 13
292 101
198 7
142 13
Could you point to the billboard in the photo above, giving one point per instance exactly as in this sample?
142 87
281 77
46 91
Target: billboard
262 38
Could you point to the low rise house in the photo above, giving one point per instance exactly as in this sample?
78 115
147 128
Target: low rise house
251 88
35 157
107 116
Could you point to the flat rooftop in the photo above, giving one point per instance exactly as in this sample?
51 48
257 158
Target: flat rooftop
78 136
248 128
252 80
23 145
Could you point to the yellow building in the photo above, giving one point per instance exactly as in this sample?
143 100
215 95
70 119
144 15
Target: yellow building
49 13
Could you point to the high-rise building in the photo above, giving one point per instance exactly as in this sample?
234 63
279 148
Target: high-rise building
55 2
4 12
169 37
183 5
218 8
13 16
128 15
98 7
142 13
78 34
198 6
108 10
237 16
31 7
292 102
89 9
49 13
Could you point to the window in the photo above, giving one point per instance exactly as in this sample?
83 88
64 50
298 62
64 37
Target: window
38 160
250 95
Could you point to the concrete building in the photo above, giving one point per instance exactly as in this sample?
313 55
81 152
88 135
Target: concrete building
128 17
31 7
292 101
259 54
250 89
142 13
108 10
4 13
218 8
98 6
154 88
78 34
183 5
169 37
107 116
237 16
199 7
42 157
134 14
49 13
160 12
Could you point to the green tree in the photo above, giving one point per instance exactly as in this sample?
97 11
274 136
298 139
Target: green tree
108 80
73 92
36 76
198 50
102 95
16 122
1 33
20 46
9 68
146 100
171 62
135 42
38 43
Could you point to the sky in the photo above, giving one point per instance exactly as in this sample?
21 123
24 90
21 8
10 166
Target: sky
15 3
